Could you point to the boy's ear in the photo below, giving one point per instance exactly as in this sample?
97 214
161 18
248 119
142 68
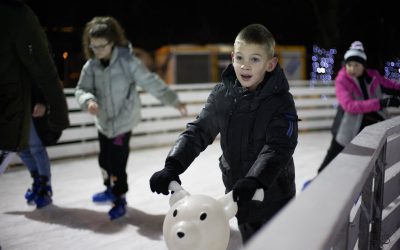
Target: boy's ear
232 55
272 64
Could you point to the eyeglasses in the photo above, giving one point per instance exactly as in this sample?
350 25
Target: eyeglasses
97 47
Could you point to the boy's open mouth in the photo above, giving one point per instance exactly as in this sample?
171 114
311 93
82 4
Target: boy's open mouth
246 77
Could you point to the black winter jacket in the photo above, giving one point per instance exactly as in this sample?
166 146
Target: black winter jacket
258 135
25 58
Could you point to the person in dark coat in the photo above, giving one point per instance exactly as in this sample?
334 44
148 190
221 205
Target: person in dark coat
254 112
25 58
35 157
26 64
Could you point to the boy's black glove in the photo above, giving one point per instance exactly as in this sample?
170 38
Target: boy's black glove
393 101
160 180
244 189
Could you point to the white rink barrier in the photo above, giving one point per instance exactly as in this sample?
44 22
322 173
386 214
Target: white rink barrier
161 125
353 204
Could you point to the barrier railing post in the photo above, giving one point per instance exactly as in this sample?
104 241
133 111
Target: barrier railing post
371 206
342 239
366 214
379 184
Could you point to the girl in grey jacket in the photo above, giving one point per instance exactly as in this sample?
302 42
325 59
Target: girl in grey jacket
107 89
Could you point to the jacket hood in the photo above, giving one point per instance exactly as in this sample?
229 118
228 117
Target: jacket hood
274 82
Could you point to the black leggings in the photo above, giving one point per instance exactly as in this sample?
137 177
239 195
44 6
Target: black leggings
113 158
334 149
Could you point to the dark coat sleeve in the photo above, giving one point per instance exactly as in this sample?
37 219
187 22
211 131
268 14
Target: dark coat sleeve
37 96
198 134
276 154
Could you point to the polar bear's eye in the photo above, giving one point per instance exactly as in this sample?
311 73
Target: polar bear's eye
203 216
175 213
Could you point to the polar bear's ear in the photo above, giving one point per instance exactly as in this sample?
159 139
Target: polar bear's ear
229 206
177 195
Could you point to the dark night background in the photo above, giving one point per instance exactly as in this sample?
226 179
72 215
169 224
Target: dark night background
152 24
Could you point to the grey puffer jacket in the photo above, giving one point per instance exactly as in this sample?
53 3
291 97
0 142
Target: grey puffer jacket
114 89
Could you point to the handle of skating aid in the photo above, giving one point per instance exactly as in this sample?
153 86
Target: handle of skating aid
258 195
174 186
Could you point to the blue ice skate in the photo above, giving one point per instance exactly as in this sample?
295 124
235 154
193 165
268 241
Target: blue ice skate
105 196
118 210
32 192
306 183
43 197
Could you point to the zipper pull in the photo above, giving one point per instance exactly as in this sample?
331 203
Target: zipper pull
30 48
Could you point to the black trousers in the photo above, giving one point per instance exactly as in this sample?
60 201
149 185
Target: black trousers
113 158
334 149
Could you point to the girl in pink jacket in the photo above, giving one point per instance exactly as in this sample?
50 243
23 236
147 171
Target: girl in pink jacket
361 102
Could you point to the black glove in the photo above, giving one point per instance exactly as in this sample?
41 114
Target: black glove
393 101
160 180
244 189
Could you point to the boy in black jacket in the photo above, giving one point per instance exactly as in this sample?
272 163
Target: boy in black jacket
255 114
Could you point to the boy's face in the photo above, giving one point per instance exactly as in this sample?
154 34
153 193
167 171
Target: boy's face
251 62
354 69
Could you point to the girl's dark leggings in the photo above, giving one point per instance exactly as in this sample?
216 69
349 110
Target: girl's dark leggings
334 149
113 158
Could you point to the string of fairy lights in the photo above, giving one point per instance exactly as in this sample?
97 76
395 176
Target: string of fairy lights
323 72
323 62
392 70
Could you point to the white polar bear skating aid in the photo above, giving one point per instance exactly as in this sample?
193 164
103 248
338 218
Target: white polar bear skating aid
199 222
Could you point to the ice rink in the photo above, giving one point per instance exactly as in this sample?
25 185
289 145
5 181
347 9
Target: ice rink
74 222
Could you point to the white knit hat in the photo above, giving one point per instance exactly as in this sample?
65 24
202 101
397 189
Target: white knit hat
356 53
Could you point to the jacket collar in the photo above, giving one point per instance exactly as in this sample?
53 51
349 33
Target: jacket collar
114 55
274 82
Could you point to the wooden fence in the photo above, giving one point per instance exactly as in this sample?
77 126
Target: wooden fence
161 125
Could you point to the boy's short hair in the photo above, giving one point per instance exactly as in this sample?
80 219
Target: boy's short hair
258 34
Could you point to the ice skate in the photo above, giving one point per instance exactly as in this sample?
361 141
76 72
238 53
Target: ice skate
32 192
43 197
119 209
306 184
44 193
105 196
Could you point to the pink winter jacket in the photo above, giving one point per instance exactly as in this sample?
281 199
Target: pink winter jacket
349 93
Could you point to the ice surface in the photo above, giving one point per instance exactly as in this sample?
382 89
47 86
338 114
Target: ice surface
74 222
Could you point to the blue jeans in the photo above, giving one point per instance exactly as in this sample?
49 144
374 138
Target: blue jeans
35 157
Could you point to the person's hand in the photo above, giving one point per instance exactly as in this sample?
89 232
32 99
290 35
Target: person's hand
393 101
93 107
38 110
244 189
182 108
160 180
